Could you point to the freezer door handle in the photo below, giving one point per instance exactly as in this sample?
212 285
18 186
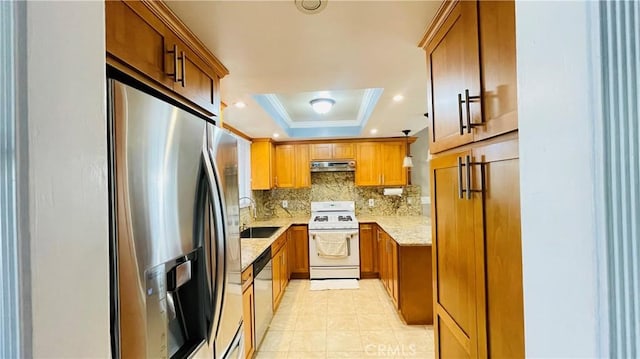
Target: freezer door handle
218 280
218 240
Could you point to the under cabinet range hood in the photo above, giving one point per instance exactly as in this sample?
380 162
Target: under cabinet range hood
333 166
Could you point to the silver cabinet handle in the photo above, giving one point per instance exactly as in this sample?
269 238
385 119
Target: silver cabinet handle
174 74
462 126
467 101
468 163
460 189
184 75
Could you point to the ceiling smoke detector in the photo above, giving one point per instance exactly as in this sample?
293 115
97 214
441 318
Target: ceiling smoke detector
311 6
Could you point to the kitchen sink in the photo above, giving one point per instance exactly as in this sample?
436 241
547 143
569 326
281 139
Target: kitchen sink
258 232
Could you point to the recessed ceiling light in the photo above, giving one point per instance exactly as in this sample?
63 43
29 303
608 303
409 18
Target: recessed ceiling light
322 105
398 98
240 104
276 135
374 131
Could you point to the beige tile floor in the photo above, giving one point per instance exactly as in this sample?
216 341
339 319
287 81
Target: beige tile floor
360 323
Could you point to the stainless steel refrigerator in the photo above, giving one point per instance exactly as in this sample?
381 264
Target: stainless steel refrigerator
175 242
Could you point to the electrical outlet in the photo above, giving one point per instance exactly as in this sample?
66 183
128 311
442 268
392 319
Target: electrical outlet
285 204
371 203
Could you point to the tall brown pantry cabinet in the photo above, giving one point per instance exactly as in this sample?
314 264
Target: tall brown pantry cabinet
477 252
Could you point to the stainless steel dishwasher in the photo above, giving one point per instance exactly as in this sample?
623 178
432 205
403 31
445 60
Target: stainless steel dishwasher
263 292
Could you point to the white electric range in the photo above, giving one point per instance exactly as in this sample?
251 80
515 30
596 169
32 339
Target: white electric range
334 248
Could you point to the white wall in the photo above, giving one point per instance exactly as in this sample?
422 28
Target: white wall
557 179
420 171
68 179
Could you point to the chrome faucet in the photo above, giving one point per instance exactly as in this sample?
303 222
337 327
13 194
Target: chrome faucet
252 207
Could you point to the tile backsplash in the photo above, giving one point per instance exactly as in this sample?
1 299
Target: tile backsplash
336 186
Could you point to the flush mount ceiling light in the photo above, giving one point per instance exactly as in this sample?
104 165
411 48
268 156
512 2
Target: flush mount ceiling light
240 104
322 105
310 7
407 162
398 98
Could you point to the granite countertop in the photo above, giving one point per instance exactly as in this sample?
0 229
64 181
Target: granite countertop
405 230
251 248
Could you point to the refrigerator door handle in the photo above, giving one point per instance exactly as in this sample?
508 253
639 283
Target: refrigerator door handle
218 241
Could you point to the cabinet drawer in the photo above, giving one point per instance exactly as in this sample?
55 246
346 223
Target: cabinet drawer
247 277
278 244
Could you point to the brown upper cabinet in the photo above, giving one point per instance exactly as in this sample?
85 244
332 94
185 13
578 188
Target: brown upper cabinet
462 111
302 166
497 23
332 151
262 169
146 40
292 166
380 164
285 166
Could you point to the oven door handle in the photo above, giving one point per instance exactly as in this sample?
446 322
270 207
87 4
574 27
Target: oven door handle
349 245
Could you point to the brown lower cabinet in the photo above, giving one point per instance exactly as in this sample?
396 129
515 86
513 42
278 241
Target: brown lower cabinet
280 271
477 258
248 312
368 251
405 272
298 251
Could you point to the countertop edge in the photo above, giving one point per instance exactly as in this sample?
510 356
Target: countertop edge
285 223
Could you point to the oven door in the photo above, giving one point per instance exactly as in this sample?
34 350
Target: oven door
353 248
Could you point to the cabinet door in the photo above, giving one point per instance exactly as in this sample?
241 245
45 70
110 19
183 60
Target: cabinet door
453 67
381 253
285 166
393 153
455 267
196 81
386 271
343 151
498 63
262 165
299 251
138 38
284 258
368 252
248 312
276 278
394 270
368 164
500 211
302 176
321 151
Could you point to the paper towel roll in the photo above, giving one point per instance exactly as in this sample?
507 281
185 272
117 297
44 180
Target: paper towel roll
392 192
